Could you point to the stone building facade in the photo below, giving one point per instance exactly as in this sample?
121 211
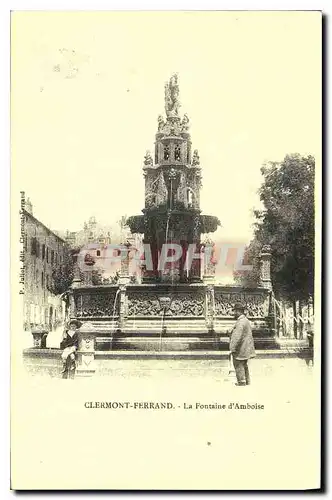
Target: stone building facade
44 252
94 240
92 232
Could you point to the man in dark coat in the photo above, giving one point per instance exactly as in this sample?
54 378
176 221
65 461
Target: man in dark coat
241 345
69 344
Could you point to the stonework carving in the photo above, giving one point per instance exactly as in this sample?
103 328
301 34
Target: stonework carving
255 304
198 180
195 161
172 174
87 343
96 305
37 341
208 248
196 227
87 360
171 275
161 123
209 306
266 249
185 123
182 190
265 271
148 161
144 306
161 195
181 305
150 189
172 102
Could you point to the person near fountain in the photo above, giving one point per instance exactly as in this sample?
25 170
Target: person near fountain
69 344
241 345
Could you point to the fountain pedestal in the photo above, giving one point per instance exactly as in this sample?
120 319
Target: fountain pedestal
39 337
86 350
191 317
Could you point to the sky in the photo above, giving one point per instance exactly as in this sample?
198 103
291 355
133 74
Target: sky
87 88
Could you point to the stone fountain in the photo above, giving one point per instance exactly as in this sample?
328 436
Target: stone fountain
177 309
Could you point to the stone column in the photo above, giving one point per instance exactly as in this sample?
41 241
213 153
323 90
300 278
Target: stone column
39 337
273 314
209 267
310 329
291 321
297 321
195 272
122 306
188 160
265 270
209 304
307 318
124 272
86 351
72 304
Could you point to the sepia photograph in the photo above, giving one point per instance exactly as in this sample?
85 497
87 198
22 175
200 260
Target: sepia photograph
165 250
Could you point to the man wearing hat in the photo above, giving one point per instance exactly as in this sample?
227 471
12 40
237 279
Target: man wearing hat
69 344
241 345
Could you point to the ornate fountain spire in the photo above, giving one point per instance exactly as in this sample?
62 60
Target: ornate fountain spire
172 189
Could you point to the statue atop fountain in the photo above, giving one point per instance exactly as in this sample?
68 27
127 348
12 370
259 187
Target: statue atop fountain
172 102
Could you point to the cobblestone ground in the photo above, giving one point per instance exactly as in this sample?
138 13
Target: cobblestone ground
263 371
275 447
281 379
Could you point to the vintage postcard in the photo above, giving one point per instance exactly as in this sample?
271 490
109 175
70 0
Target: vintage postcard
165 250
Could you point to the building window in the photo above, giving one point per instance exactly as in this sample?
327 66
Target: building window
33 245
98 253
47 254
56 259
166 152
42 279
43 252
47 281
177 153
52 257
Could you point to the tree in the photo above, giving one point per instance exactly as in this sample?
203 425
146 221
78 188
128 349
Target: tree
250 279
287 223
64 274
